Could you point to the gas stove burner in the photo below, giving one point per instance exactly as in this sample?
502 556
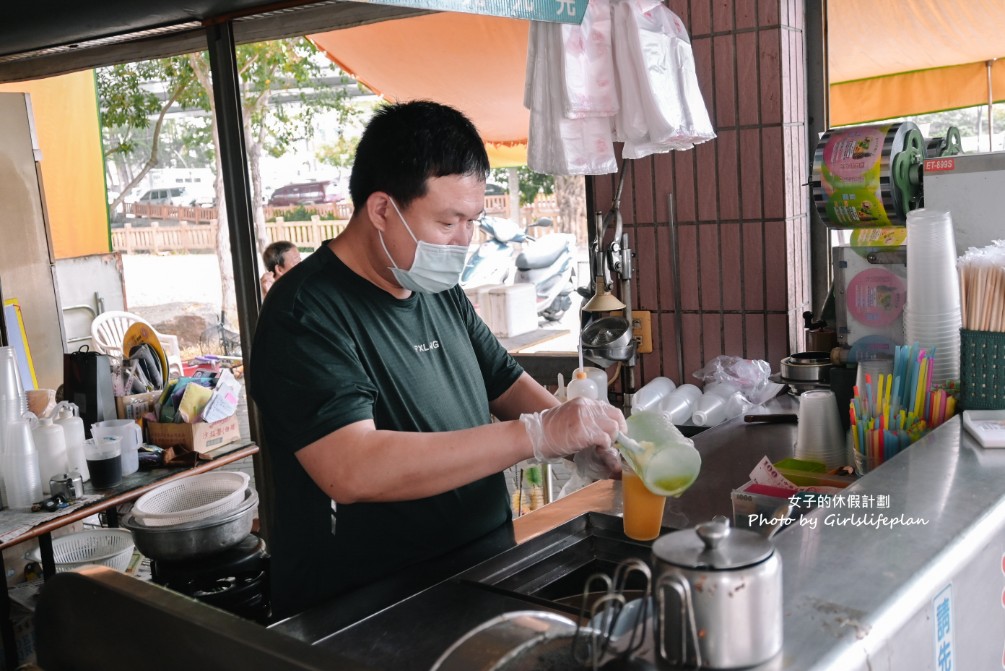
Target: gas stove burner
248 556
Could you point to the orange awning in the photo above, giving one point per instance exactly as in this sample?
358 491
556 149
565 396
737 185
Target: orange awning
471 62
896 58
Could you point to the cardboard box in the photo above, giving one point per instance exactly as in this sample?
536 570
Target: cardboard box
198 437
136 405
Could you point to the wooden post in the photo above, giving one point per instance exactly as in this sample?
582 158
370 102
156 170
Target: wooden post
315 233
128 230
185 234
155 237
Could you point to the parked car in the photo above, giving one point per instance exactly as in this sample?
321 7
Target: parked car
307 193
178 195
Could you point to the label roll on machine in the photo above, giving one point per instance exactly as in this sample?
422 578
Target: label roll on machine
868 176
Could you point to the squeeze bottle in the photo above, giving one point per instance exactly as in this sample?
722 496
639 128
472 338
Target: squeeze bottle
73 430
581 385
51 445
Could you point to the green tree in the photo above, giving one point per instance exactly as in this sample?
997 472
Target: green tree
532 183
339 154
284 84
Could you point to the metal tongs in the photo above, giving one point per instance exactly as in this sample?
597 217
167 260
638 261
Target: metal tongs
596 639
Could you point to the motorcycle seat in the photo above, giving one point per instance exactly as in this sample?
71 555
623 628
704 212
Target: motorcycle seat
542 253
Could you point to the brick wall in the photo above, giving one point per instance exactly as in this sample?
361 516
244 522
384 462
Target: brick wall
741 207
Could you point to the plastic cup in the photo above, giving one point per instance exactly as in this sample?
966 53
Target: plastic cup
932 279
22 480
866 463
643 510
104 461
10 380
820 436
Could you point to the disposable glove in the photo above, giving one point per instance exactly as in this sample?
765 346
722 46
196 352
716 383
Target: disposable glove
598 463
571 427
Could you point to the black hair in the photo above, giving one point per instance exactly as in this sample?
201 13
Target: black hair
407 143
274 253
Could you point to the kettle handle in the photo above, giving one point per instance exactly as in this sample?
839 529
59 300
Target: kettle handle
685 618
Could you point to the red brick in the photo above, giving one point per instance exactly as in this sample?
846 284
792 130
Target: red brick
728 184
746 13
773 172
701 17
755 336
708 208
771 76
684 190
776 262
749 89
750 174
642 195
722 16
732 334
687 236
767 11
724 55
730 255
709 266
753 266
647 270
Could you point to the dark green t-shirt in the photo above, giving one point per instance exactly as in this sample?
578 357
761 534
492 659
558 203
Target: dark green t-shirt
332 349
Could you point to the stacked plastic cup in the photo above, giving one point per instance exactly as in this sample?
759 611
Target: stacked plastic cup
932 316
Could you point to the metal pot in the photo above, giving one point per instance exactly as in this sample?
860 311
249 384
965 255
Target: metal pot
608 340
195 539
524 640
719 597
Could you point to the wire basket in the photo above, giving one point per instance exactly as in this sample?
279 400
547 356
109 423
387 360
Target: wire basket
107 547
982 370
192 498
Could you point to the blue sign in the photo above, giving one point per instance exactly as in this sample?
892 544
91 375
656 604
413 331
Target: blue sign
556 11
942 619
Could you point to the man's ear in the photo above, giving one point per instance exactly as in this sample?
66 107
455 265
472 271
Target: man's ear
378 209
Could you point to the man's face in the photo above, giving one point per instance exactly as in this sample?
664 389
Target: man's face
290 259
446 215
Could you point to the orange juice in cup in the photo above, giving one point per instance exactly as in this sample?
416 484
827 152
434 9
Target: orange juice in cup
643 510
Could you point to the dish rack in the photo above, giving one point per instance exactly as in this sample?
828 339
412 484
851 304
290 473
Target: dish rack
192 498
107 547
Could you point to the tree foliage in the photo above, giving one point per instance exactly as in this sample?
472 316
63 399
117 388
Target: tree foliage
532 183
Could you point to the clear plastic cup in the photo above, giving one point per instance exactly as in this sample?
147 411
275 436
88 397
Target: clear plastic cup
643 510
820 436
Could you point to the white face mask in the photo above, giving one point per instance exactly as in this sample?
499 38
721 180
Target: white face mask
435 268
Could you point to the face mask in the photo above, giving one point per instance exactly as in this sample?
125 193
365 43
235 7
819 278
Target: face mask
435 268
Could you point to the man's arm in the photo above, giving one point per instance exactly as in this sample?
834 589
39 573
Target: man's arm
360 463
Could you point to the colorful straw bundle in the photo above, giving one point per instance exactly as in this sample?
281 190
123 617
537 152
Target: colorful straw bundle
895 410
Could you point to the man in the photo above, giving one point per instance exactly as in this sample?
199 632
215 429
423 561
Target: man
377 381
278 257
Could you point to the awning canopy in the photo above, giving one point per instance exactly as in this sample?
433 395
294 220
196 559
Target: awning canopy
895 58
471 62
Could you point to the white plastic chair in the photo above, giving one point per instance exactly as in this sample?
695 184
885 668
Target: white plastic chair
109 328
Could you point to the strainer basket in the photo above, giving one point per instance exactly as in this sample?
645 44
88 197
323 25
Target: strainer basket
107 547
193 498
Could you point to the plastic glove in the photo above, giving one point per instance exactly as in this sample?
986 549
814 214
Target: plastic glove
571 427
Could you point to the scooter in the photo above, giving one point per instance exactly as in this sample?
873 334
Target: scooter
492 262
548 264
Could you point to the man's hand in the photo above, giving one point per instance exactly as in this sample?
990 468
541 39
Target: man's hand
566 429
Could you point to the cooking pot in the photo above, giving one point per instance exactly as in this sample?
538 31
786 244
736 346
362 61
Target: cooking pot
719 597
191 540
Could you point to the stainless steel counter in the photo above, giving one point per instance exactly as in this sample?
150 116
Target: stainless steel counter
865 582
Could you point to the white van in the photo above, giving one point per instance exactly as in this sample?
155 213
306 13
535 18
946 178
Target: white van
177 195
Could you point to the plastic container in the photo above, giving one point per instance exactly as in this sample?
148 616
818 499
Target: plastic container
73 431
709 410
191 499
50 441
681 402
104 460
107 547
652 395
599 377
581 385
20 467
132 437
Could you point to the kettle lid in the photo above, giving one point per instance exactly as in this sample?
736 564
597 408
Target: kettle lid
713 545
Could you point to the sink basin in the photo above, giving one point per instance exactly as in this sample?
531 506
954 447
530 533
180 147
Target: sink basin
553 569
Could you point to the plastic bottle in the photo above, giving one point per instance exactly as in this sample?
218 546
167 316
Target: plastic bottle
599 377
50 442
581 385
652 395
710 410
20 467
680 403
73 430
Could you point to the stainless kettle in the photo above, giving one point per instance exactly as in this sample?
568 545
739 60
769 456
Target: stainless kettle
719 597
